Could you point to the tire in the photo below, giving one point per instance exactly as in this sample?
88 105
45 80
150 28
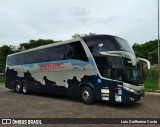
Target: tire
18 88
25 89
87 95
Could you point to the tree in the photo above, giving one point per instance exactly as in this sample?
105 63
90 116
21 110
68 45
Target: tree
148 50
36 43
153 56
82 35
4 51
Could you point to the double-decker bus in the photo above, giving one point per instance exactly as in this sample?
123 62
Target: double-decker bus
97 67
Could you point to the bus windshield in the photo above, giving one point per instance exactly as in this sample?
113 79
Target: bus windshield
118 68
133 73
110 67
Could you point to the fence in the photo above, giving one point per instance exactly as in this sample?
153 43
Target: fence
150 74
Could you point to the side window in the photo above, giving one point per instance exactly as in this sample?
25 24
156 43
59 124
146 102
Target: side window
18 59
57 53
42 55
21 58
9 60
75 50
31 57
37 56
13 60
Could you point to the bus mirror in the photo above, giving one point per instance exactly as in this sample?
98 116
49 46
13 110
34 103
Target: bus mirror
144 60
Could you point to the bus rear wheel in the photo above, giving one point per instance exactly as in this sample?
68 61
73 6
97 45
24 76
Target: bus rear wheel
87 95
18 88
25 89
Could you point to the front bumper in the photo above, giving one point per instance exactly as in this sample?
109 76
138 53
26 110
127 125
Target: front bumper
132 96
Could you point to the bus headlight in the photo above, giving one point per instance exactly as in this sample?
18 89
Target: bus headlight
126 88
133 91
130 90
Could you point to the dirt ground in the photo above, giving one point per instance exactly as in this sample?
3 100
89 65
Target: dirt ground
14 105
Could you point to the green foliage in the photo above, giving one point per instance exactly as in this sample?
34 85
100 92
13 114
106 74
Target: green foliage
4 51
153 56
82 35
150 79
151 85
35 43
2 79
148 50
150 74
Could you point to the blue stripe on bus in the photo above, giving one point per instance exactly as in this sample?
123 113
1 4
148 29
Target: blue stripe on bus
76 62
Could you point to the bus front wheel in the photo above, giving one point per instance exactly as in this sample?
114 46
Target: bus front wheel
87 95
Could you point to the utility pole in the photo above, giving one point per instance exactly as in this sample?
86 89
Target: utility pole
158 50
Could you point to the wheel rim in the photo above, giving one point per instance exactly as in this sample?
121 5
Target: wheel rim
85 94
18 87
24 89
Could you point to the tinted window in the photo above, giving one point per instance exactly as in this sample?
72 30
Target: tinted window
110 67
21 58
75 50
97 45
37 56
42 55
124 45
31 57
17 59
9 62
133 73
57 53
67 51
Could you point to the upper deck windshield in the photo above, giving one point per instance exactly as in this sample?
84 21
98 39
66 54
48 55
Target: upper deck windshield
101 44
107 43
124 45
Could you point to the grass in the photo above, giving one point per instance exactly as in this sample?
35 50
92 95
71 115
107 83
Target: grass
151 85
2 80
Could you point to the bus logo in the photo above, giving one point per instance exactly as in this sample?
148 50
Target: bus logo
52 66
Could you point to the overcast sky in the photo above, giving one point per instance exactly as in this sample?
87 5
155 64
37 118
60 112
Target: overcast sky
23 20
